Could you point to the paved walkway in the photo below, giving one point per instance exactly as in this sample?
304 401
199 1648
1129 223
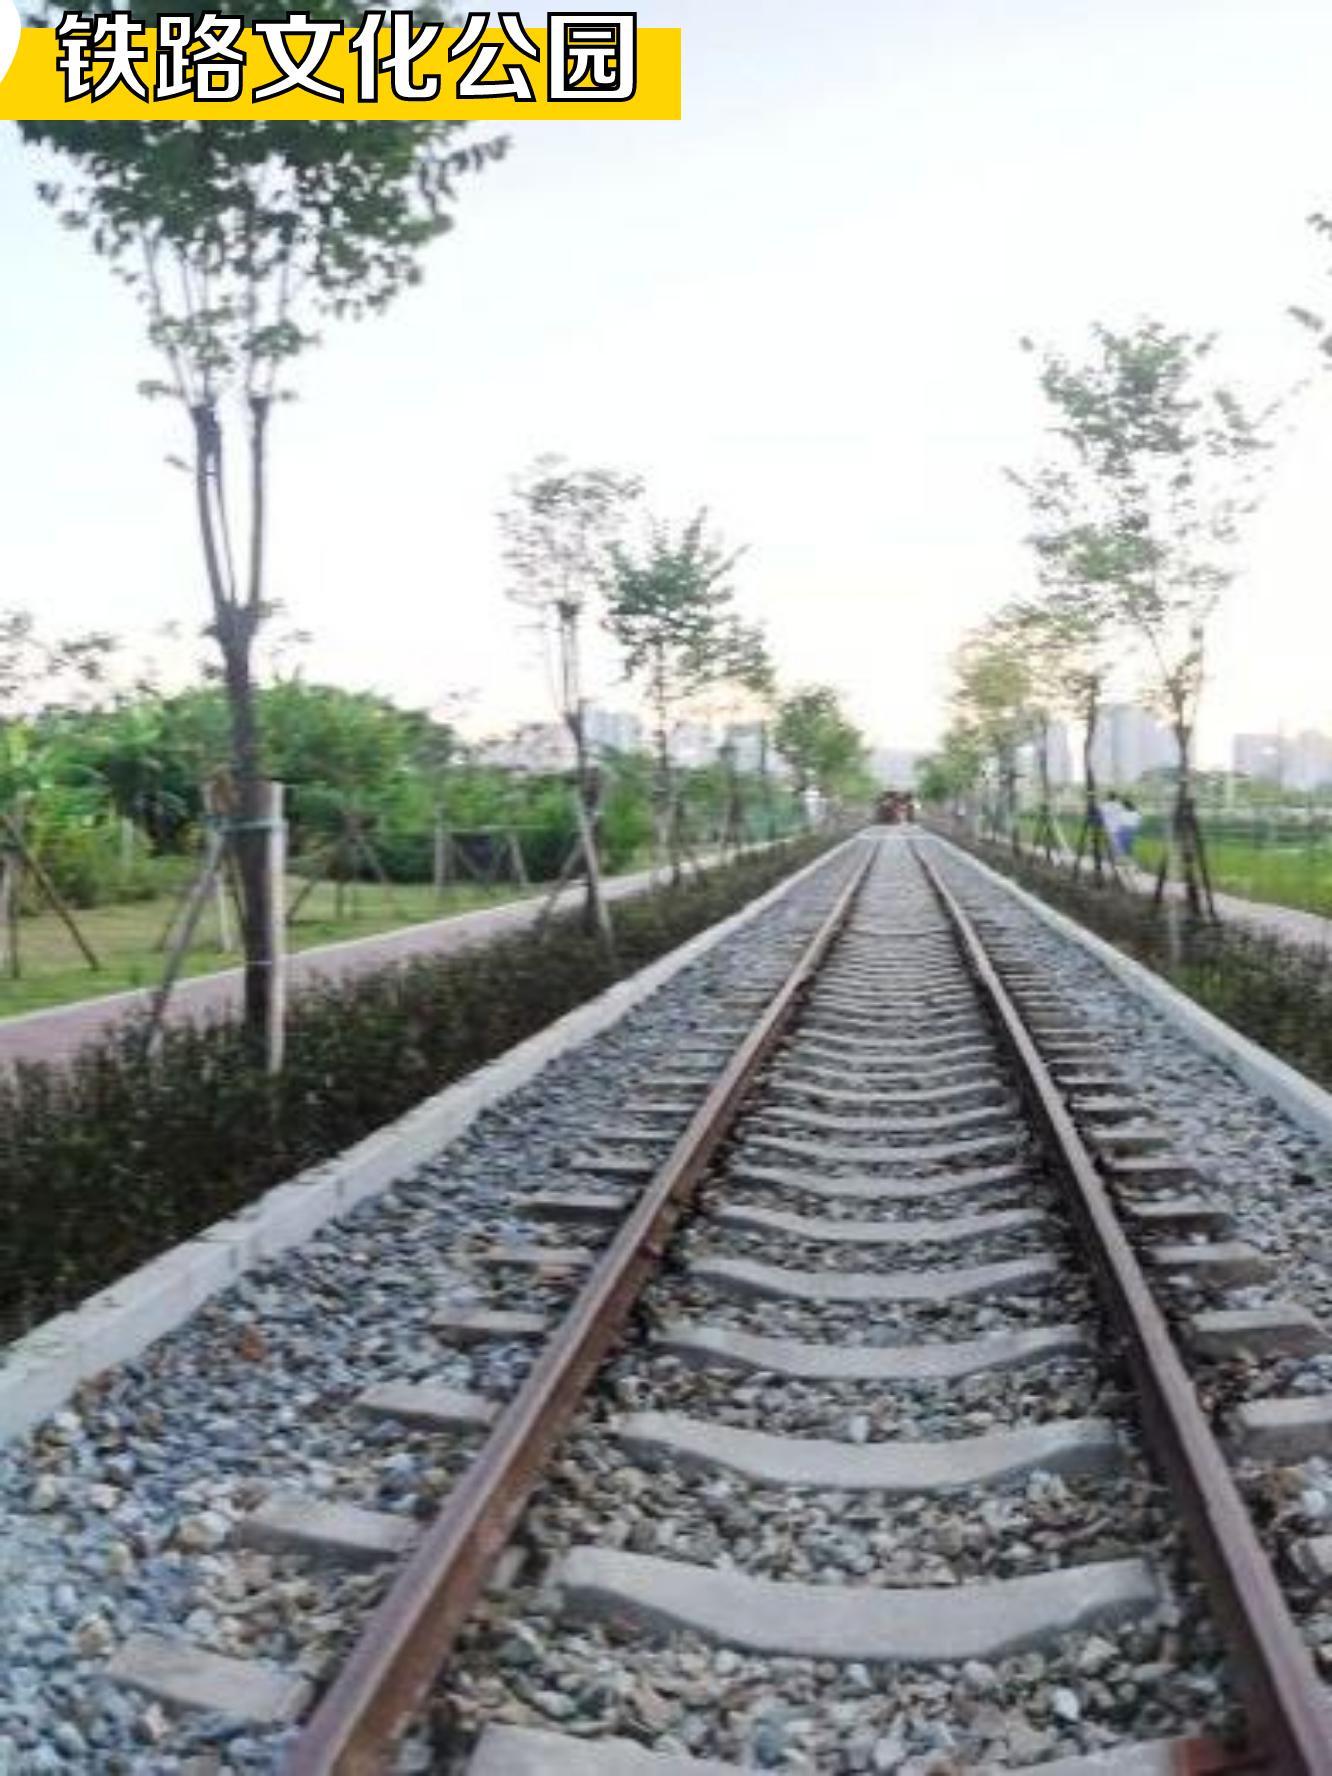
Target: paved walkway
1288 923
57 1033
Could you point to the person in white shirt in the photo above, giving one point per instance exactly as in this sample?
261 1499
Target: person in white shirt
1112 814
1129 822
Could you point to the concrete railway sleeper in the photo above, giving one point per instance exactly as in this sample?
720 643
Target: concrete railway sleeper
894 998
855 1436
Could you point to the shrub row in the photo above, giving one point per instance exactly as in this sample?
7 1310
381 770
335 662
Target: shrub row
1276 992
114 1158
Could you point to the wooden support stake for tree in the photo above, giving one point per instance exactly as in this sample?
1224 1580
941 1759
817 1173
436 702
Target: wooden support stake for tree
271 796
271 825
360 842
222 902
126 848
322 859
441 855
35 868
592 865
516 860
9 912
567 871
195 902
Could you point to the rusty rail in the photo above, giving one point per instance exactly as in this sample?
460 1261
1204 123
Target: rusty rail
408 1638
1286 1705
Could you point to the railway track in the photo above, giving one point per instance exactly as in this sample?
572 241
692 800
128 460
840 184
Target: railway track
863 1405
900 1182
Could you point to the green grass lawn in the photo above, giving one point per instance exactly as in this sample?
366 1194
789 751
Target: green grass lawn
1292 874
1286 875
125 938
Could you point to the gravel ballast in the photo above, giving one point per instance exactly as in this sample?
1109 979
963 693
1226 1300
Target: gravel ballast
528 1662
117 1514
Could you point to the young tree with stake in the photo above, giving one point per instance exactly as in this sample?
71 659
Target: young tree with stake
1072 625
238 238
993 698
671 611
559 530
1174 458
820 742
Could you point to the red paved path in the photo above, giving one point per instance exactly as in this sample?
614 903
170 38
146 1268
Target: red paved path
55 1034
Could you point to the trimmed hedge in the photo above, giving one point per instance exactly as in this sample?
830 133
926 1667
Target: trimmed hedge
115 1157
1276 992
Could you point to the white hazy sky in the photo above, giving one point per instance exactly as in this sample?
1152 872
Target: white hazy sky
801 305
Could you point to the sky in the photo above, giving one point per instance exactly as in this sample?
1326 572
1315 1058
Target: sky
800 306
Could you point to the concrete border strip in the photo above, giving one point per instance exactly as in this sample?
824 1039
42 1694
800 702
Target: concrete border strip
1303 1101
39 1372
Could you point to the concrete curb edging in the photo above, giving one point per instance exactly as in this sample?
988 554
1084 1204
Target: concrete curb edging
1303 1101
39 1372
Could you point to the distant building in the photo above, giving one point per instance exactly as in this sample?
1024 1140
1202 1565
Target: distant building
536 746
1259 757
1129 743
1308 761
1303 762
1059 759
694 744
1060 744
614 730
746 740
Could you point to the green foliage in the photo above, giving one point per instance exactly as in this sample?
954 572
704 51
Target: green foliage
107 1162
238 240
239 236
558 529
820 742
1160 470
78 773
672 613
954 768
671 609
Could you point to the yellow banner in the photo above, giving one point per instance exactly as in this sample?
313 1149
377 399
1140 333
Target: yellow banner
109 67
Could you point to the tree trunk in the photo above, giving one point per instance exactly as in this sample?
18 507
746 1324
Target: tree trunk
255 840
587 795
1046 816
765 777
256 845
1008 799
1188 838
668 828
1093 832
733 819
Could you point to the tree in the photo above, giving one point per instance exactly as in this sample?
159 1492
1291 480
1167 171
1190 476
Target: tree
993 698
1071 627
749 692
945 776
37 671
237 239
821 744
1035 640
1173 457
559 529
672 613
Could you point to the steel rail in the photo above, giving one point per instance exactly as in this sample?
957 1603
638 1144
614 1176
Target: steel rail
1288 1710
410 1634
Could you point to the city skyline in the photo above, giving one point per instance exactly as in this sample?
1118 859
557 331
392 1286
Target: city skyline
1130 744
